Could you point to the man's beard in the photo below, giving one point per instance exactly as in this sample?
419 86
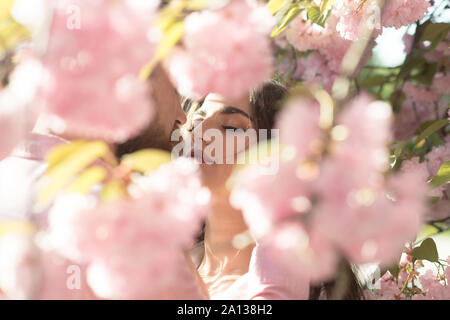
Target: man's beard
152 138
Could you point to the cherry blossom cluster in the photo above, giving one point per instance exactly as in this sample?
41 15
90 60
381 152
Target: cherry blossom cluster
413 282
227 51
333 196
132 246
346 23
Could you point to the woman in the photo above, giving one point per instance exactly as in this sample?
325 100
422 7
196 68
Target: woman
228 272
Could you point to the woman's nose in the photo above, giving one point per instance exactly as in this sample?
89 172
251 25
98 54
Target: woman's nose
203 128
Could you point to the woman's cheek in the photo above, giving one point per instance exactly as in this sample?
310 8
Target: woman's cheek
234 146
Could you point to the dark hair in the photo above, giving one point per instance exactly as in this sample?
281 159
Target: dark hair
265 102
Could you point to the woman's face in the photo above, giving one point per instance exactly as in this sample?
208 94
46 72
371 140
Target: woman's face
220 128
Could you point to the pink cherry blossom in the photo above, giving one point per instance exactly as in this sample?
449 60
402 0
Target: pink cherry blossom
305 35
439 212
19 266
92 85
414 165
17 115
240 61
62 279
362 117
30 272
304 114
388 289
356 15
406 121
420 93
398 13
437 157
131 243
441 84
439 53
261 206
433 288
313 70
412 114
300 253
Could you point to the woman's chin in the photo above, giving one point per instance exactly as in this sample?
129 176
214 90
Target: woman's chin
215 176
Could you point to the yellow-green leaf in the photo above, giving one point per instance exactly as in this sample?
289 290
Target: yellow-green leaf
87 179
427 231
12 33
399 148
146 160
442 177
433 127
170 14
325 5
196 5
18 226
314 13
433 30
113 191
68 168
275 5
290 15
172 35
326 108
373 81
62 152
5 8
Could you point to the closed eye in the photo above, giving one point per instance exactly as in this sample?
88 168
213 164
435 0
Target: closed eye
231 128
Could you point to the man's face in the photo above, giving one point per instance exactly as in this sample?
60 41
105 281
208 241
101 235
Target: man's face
168 116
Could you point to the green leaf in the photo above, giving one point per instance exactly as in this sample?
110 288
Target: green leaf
427 76
394 270
396 153
433 127
435 140
414 62
399 148
146 160
434 30
65 170
292 13
426 251
432 201
442 177
87 179
373 81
